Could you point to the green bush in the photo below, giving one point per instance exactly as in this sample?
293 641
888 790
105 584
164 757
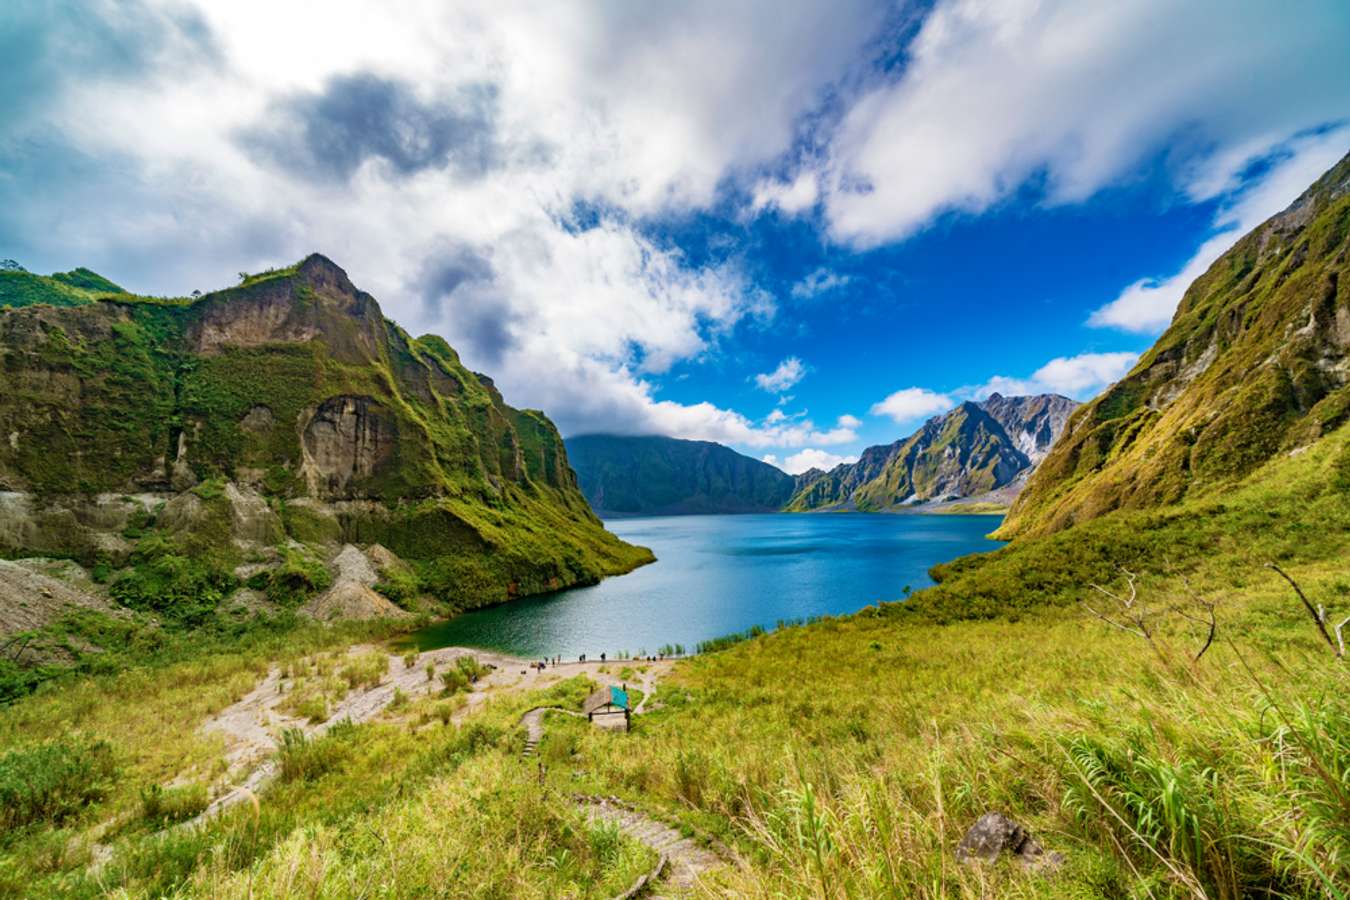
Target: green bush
295 580
163 806
365 669
52 781
400 586
454 679
305 759
182 587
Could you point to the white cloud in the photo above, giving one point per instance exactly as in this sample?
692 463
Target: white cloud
1075 96
1147 305
790 197
1080 377
821 281
771 459
811 458
626 110
847 421
912 403
789 372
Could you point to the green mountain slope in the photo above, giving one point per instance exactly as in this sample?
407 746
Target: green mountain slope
664 476
972 450
1255 363
285 411
74 288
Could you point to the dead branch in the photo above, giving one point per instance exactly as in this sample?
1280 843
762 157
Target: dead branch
1319 614
1136 615
1136 618
1208 606
1213 624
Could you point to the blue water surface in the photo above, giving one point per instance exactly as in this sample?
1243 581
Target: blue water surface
719 574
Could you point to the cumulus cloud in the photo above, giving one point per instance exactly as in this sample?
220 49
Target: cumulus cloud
447 148
810 458
1071 95
912 403
1146 306
789 372
1080 377
821 281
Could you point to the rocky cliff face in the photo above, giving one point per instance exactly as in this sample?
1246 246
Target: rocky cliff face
972 450
1033 423
283 413
652 475
1255 363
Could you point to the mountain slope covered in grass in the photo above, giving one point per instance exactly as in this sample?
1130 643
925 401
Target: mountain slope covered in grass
186 451
653 475
74 288
1256 363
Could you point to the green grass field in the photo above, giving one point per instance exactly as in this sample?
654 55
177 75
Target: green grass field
839 759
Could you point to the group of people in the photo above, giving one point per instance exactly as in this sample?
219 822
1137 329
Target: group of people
555 661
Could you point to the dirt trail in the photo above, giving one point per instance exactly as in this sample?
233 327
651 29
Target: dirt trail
252 726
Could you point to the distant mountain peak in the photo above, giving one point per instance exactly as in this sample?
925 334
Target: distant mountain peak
971 450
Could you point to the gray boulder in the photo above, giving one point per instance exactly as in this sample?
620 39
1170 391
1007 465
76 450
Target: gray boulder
995 834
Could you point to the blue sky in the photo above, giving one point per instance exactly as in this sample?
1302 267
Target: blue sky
795 228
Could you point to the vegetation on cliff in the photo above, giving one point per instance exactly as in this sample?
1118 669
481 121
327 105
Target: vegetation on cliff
180 448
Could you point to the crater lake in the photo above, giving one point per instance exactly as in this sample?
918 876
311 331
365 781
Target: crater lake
716 575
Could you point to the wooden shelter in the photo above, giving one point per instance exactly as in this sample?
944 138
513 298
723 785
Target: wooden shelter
612 700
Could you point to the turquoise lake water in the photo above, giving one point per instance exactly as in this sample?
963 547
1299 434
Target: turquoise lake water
719 574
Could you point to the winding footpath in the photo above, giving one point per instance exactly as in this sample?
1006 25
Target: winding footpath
251 725
681 862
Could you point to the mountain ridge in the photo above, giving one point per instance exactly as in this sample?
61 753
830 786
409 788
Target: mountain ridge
657 475
285 415
1256 362
970 451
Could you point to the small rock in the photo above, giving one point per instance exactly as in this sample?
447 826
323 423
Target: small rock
994 834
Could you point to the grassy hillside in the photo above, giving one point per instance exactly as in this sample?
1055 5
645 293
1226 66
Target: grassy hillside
1256 363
